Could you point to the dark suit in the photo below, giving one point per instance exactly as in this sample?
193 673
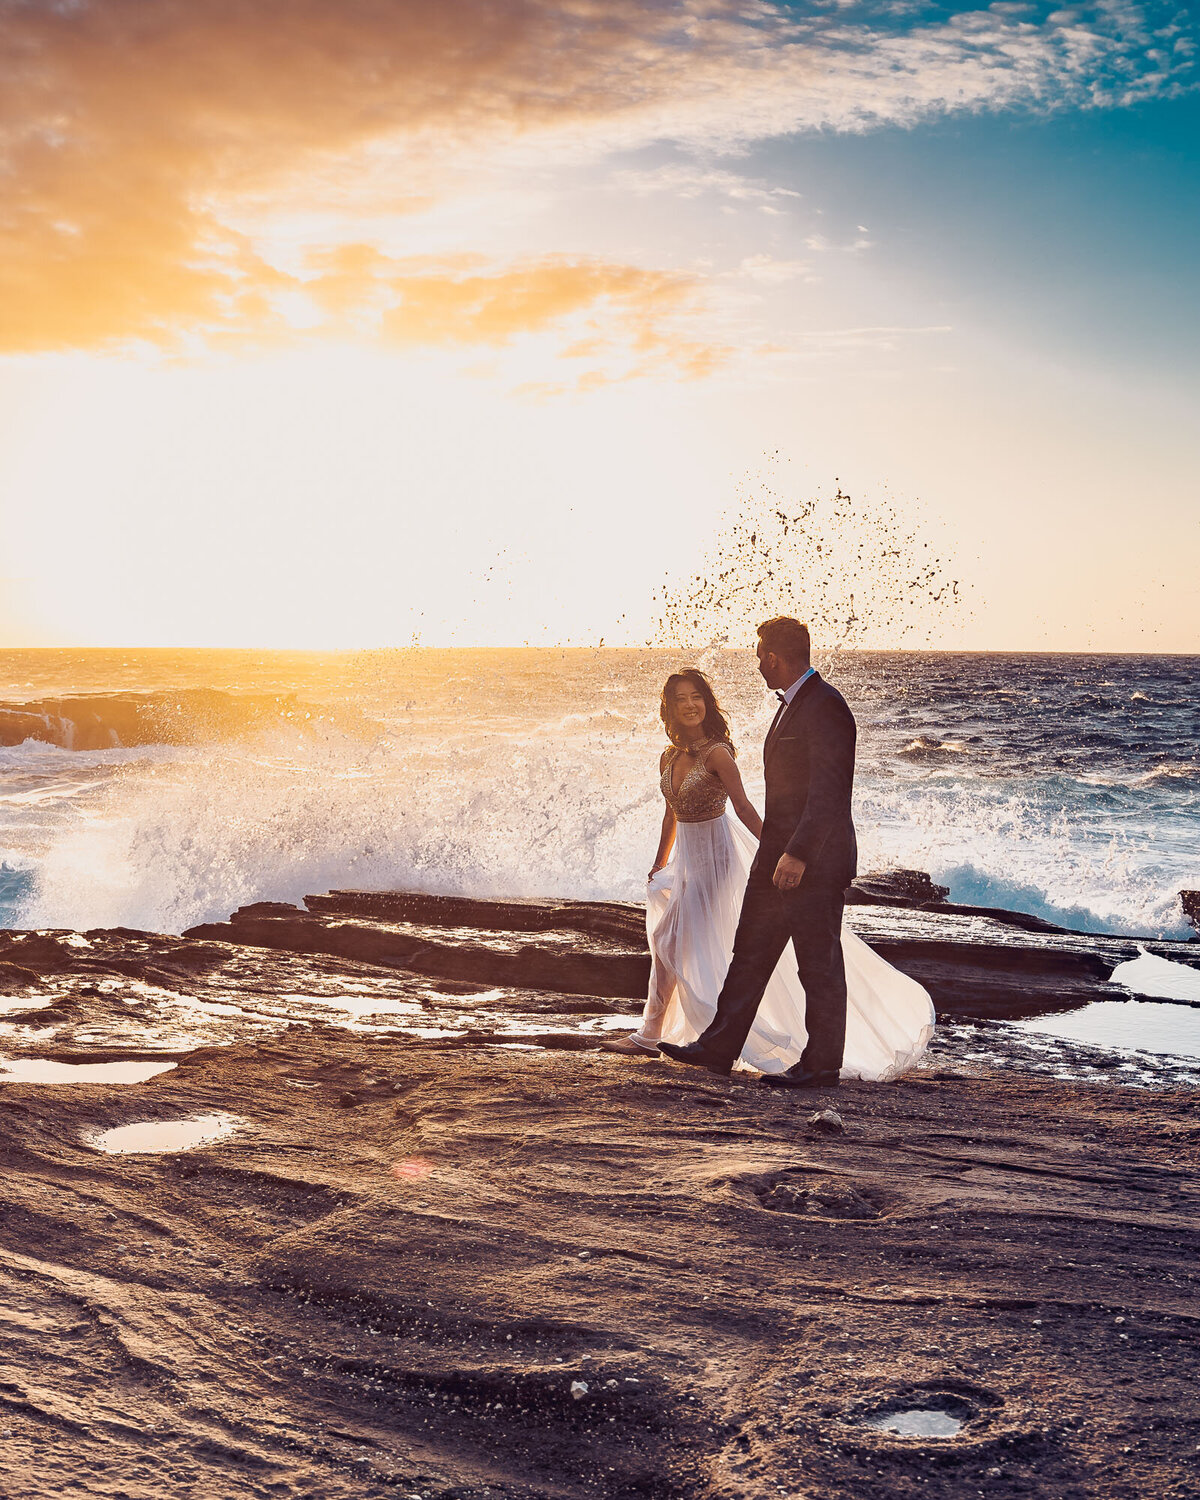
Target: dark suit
809 760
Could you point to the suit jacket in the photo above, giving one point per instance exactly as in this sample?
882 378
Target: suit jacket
809 760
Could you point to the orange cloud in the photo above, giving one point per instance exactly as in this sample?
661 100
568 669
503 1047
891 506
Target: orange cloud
493 309
135 133
602 309
128 128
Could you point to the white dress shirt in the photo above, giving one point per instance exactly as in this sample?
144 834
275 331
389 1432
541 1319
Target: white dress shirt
789 693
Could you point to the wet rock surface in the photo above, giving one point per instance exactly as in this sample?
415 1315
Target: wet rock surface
453 1250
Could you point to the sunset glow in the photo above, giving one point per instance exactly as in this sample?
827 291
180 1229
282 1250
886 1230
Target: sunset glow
340 325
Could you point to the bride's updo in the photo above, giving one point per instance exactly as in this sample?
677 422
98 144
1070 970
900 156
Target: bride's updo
715 725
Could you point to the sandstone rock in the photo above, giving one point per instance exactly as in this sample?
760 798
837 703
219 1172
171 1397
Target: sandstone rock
897 888
828 1121
999 979
578 964
599 948
13 979
620 921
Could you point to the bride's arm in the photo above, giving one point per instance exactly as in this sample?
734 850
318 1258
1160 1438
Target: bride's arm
665 841
722 764
667 837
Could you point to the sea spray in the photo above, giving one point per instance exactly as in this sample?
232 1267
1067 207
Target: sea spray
189 837
860 571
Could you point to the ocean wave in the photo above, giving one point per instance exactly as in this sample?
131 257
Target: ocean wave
982 887
1036 849
924 745
1153 702
176 842
1183 771
520 779
17 882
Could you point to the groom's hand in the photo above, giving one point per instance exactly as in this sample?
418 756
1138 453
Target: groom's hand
789 872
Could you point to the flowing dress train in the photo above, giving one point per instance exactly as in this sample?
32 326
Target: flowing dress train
692 911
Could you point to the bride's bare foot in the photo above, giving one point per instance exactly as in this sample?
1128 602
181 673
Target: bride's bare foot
630 1046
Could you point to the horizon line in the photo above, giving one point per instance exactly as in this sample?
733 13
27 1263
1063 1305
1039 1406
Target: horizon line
598 647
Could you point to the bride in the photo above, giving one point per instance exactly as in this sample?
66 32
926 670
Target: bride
694 900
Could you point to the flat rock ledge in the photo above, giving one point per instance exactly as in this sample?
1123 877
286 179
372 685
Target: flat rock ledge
994 966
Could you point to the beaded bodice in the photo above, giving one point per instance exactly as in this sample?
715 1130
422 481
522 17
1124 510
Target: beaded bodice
700 797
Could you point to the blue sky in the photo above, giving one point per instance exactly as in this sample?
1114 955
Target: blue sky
1081 229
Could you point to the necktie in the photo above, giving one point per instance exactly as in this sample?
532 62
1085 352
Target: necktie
781 695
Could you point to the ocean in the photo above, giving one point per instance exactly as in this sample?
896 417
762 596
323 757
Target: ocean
159 789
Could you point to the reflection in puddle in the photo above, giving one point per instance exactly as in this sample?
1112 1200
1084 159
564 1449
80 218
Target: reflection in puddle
1152 1025
165 1135
43 1070
918 1421
1158 978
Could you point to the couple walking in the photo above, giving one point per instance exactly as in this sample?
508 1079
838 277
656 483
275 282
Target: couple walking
724 901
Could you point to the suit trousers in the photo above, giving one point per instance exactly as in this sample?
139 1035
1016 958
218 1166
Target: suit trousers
811 917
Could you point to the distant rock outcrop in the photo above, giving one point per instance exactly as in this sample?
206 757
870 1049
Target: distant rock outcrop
105 721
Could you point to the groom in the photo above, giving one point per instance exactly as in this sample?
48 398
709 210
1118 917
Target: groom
806 858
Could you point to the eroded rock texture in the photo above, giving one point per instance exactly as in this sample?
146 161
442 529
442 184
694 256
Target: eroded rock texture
397 1270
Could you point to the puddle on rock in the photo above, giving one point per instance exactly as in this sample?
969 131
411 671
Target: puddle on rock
44 1070
151 1136
1150 1025
920 1421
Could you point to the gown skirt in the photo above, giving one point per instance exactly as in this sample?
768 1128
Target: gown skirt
692 911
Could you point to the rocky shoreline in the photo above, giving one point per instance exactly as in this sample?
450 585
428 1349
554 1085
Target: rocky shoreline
451 1249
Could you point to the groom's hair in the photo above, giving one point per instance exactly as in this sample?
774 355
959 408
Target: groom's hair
787 639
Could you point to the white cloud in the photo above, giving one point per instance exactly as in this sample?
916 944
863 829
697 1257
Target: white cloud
772 272
693 180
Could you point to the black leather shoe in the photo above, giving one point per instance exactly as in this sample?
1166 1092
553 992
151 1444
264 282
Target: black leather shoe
803 1078
695 1056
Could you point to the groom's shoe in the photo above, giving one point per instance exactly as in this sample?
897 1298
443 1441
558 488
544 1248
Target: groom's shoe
803 1078
695 1056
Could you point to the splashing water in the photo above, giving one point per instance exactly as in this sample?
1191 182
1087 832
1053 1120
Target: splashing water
859 572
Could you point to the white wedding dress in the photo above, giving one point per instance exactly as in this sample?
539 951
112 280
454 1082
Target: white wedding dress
692 911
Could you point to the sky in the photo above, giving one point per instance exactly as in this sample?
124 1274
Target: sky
343 323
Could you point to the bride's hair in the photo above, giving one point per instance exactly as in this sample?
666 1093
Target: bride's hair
715 725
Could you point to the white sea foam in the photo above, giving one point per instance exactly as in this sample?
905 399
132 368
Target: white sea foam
1005 842
188 839
186 836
